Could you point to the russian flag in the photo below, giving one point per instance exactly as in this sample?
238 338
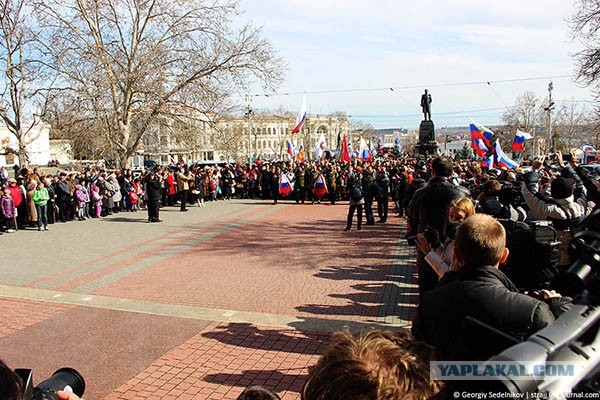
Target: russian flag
301 117
501 159
363 150
320 187
479 146
587 148
479 131
285 187
290 149
372 150
520 139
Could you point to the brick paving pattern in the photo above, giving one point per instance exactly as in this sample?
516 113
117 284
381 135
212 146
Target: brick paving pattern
209 302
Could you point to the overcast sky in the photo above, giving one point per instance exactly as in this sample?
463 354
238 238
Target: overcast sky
347 54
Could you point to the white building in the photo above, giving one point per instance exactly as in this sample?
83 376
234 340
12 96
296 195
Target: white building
37 142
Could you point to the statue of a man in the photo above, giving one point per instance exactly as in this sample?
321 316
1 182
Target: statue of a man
426 105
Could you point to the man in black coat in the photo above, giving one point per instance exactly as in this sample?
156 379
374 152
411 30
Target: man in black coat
428 208
153 194
479 290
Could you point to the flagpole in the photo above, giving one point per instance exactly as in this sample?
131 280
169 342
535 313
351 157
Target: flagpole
249 113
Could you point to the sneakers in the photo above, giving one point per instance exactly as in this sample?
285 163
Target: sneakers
45 228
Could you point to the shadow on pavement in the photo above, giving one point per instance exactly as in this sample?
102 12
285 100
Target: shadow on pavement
271 379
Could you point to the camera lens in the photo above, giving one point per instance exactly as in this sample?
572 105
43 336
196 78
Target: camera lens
63 379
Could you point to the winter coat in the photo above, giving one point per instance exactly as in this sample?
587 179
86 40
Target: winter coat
429 205
486 294
7 206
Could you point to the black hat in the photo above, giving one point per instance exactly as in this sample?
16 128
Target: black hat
63 174
561 188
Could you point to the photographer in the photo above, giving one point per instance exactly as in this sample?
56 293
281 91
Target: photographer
565 207
439 255
479 290
11 386
428 207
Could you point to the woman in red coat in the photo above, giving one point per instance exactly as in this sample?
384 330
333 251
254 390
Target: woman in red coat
171 189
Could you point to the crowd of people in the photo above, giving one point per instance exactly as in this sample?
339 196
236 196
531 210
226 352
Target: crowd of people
459 215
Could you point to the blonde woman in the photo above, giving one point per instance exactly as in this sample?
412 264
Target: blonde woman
440 256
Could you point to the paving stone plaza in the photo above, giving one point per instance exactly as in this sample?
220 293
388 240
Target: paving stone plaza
205 303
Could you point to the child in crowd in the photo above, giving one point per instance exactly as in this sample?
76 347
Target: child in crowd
96 201
80 200
9 211
133 199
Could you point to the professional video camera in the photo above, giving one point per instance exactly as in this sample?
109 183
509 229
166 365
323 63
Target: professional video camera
65 379
573 338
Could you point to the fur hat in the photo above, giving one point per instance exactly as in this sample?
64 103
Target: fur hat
561 188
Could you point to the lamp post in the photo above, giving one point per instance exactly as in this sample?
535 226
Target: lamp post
248 115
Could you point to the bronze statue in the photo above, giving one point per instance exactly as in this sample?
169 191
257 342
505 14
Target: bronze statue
426 105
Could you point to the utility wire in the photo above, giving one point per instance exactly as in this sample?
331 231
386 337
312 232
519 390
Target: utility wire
394 88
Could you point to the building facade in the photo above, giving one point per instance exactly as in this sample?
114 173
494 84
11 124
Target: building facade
207 139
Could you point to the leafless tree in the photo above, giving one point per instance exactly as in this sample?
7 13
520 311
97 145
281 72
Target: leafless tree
571 126
129 60
17 90
585 25
526 114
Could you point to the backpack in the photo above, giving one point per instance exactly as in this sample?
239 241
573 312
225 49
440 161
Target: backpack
534 253
356 193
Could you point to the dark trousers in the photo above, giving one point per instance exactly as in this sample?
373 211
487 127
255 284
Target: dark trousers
359 209
428 278
153 210
382 208
369 212
183 198
42 212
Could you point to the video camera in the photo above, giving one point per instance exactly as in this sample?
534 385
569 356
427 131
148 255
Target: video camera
65 379
573 338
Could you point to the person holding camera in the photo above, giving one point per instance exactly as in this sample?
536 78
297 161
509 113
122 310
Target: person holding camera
478 289
565 207
428 207
439 255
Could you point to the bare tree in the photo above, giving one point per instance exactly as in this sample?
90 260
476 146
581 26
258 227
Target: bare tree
137 59
526 115
16 89
571 126
585 25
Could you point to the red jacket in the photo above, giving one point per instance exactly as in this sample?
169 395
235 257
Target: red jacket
16 194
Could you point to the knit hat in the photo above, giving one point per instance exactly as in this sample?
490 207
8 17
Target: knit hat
358 168
561 188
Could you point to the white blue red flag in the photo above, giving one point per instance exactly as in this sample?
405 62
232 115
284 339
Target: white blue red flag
320 187
290 149
479 146
372 150
363 150
479 131
501 159
301 117
285 186
587 148
320 149
520 139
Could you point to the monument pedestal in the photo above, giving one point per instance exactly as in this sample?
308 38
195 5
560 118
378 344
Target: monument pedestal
427 144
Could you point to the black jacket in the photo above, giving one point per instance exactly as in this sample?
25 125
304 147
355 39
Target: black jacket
429 205
153 189
487 295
